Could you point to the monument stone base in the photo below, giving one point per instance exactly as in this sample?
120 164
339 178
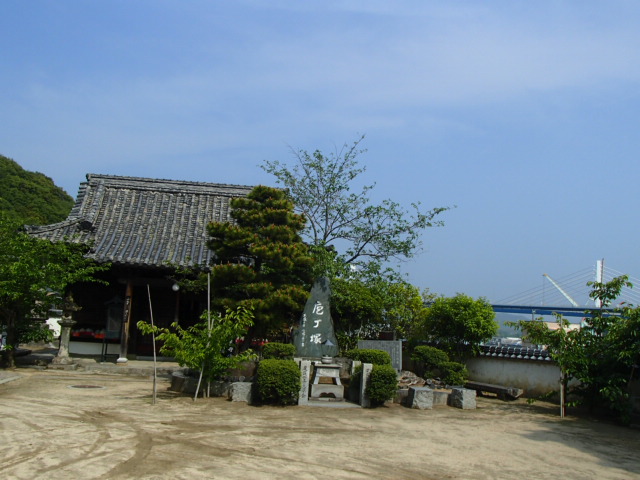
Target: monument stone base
321 390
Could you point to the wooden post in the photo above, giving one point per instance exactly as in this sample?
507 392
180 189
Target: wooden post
126 320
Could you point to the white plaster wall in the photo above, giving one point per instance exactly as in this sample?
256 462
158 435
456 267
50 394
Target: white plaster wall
534 377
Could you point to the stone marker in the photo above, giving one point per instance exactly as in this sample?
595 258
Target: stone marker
365 401
315 337
463 398
420 398
305 373
241 392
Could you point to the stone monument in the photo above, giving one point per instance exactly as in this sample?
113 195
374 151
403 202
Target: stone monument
314 337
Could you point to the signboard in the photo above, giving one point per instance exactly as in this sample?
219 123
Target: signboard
392 347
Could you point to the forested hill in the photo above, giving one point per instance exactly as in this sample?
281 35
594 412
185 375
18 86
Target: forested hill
31 197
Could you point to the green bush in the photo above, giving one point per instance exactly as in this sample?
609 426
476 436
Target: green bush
278 350
278 382
382 385
454 373
365 355
428 360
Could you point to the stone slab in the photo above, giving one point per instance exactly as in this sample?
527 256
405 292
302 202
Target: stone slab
500 390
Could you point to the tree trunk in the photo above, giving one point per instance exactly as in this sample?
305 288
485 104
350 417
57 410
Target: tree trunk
8 357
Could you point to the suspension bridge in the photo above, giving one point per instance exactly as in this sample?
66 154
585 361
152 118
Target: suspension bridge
568 295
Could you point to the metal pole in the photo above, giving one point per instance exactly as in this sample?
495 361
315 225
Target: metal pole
153 339
561 393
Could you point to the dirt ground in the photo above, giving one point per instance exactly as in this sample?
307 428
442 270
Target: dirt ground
50 429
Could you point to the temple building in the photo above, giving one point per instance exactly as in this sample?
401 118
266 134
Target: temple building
146 229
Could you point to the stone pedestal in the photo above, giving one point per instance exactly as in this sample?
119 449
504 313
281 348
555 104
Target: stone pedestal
327 390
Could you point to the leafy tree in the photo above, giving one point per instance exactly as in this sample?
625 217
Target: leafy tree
206 346
459 324
31 197
320 187
261 262
363 305
603 354
428 360
30 269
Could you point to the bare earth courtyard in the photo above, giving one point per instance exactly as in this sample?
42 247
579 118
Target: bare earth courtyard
49 429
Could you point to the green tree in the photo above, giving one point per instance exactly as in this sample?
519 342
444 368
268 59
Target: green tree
261 262
206 346
30 269
459 324
346 227
31 197
364 305
602 355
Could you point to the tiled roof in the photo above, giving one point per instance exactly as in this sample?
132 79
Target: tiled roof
143 221
515 351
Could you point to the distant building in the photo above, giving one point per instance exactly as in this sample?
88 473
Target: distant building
145 228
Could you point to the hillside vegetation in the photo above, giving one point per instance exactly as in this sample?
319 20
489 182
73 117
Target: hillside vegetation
31 197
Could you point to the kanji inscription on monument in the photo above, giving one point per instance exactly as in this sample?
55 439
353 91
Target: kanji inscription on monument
315 336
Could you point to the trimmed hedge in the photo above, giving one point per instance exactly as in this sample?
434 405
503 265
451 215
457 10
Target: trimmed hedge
366 355
278 382
454 373
278 350
382 385
428 360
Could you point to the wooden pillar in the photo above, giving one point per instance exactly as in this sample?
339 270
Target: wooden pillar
126 321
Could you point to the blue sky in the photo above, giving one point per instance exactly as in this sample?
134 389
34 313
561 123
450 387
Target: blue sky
523 114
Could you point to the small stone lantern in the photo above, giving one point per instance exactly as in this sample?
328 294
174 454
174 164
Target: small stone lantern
69 307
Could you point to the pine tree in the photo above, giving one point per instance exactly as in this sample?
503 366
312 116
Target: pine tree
261 262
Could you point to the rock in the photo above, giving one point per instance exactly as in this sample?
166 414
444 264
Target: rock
410 379
420 398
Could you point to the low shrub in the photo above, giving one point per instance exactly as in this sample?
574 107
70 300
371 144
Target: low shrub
278 350
382 384
428 360
454 373
278 382
365 355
